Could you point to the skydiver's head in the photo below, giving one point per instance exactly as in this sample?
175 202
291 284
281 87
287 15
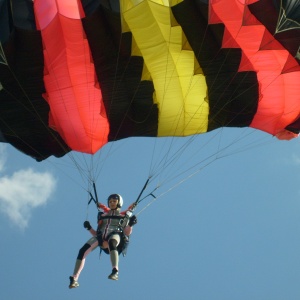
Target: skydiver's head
115 201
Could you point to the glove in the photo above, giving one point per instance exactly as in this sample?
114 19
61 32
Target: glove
132 221
87 225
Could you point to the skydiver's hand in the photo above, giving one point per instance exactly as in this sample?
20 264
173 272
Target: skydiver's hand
87 225
132 206
132 221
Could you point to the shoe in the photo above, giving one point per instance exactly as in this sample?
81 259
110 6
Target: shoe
114 274
73 283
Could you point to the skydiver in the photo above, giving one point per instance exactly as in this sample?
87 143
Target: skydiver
110 236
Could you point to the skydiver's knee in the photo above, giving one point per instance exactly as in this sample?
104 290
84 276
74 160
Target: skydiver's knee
82 251
112 244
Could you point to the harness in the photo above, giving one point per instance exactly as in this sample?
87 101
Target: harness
124 239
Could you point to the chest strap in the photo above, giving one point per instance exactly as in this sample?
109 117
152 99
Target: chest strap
111 217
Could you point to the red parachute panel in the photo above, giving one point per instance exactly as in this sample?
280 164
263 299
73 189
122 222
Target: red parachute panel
77 110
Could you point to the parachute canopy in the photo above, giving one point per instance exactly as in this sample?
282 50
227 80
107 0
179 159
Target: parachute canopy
77 74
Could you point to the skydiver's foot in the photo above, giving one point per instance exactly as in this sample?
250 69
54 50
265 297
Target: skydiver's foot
73 283
114 274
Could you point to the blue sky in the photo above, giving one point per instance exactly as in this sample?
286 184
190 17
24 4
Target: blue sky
229 232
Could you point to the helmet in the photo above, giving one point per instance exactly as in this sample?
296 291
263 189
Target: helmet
117 197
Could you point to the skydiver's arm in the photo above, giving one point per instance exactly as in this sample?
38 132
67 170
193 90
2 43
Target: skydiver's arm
103 207
88 226
93 232
130 207
127 230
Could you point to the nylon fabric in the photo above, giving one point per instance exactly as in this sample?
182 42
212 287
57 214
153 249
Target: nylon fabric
277 71
77 110
181 95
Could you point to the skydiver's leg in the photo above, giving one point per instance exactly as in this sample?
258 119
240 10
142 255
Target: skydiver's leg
89 246
113 243
113 251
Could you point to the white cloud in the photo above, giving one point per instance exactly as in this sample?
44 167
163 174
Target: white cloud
23 191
